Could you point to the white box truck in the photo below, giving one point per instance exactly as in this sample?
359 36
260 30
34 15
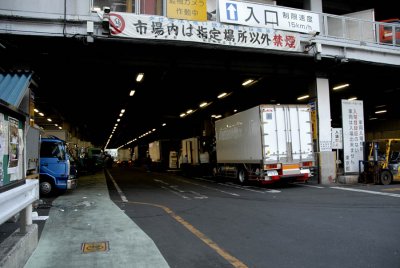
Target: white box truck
265 143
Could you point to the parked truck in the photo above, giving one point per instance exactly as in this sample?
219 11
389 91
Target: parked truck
267 143
124 157
163 154
55 173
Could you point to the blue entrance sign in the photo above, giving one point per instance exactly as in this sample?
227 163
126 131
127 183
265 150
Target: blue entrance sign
231 11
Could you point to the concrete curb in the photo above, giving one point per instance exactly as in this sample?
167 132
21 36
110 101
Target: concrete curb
17 248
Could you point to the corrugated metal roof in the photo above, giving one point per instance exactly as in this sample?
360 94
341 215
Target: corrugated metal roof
13 87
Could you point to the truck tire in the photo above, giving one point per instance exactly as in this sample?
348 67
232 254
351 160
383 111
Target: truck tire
46 188
386 177
242 176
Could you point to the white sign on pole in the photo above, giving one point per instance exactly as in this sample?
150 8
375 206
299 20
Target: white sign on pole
353 134
261 15
337 138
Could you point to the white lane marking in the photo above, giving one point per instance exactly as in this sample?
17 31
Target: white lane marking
121 194
202 179
211 188
175 192
365 191
198 195
250 188
306 185
161 181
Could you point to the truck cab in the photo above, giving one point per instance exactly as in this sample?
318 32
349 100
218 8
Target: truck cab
55 170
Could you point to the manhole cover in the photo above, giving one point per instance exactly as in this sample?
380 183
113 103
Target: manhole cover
90 247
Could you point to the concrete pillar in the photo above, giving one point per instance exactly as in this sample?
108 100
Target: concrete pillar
313 5
25 219
327 158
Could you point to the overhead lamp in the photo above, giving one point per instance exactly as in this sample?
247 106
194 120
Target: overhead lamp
154 129
381 111
56 125
49 119
132 93
373 118
118 120
41 114
122 111
59 127
36 110
182 115
189 111
235 111
222 95
303 97
218 116
164 124
352 98
341 86
203 104
247 82
139 77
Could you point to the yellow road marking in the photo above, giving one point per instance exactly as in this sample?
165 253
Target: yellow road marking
231 259
391 189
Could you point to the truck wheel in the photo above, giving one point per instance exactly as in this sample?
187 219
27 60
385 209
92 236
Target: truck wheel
386 177
46 188
242 176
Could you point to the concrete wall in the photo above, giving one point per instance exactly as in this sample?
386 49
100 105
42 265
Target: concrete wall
76 7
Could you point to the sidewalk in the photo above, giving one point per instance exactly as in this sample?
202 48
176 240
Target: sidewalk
87 215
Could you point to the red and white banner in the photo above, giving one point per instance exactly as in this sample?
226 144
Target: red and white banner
209 32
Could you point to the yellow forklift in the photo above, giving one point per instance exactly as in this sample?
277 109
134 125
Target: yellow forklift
383 162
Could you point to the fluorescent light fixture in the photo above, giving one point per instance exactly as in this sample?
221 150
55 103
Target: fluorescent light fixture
49 119
380 106
121 114
36 110
154 129
189 111
352 98
41 114
116 124
373 118
164 124
60 127
56 125
139 77
122 111
235 111
247 82
213 115
218 116
303 97
341 86
380 111
222 95
182 115
132 93
31 119
203 104
118 120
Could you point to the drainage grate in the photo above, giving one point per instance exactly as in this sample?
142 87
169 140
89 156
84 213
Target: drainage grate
89 247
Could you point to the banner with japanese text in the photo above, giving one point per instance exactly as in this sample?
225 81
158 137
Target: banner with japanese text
353 134
208 32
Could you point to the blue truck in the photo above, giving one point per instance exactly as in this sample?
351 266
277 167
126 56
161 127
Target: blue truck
55 172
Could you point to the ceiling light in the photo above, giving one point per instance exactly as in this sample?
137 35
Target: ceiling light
247 82
154 129
132 93
122 111
139 77
352 98
203 104
213 115
235 111
220 96
118 120
303 97
218 116
182 115
373 118
59 127
49 119
381 112
36 110
189 111
42 114
164 124
121 114
56 125
380 106
341 86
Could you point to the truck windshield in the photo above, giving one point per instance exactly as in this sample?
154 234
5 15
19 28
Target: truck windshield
52 149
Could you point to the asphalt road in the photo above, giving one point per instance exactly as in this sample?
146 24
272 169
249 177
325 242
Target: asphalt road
197 222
